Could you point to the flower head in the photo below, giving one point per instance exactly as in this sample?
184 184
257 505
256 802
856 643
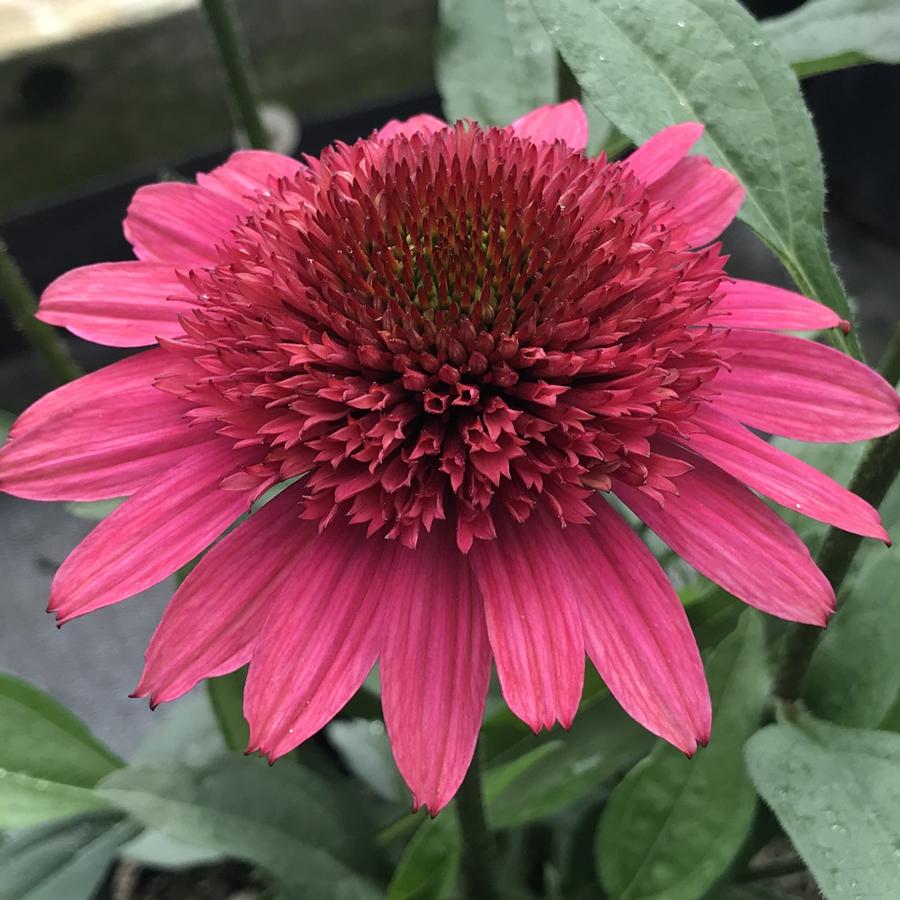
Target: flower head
450 346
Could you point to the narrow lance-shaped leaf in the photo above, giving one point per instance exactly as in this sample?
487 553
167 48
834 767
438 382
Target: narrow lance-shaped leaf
63 861
824 35
226 695
284 819
366 751
570 766
853 678
647 65
836 792
494 60
673 825
429 867
49 760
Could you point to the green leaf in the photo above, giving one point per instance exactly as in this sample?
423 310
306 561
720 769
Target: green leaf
853 678
6 422
499 780
94 510
429 867
366 751
647 65
63 861
283 819
602 741
823 35
156 850
836 792
49 760
494 60
673 825
25 800
226 695
186 732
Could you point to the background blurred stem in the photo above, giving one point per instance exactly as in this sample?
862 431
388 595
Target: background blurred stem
236 61
478 842
871 481
22 304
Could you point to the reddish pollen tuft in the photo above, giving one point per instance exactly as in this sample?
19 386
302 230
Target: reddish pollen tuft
443 326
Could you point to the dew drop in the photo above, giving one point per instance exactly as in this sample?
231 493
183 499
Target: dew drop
680 23
757 43
601 58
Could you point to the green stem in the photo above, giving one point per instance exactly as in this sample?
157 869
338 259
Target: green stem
238 70
889 365
22 305
478 842
873 477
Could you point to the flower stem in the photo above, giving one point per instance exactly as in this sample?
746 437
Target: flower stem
238 70
478 842
22 305
872 479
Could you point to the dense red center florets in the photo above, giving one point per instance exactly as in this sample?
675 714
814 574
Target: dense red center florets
441 326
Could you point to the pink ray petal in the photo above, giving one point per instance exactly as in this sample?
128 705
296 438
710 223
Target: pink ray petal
799 389
212 621
179 223
657 156
705 198
104 435
763 307
636 631
321 639
533 621
246 172
780 476
734 539
153 533
422 124
122 304
435 667
555 122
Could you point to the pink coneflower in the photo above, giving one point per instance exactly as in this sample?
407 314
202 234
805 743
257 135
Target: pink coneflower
457 344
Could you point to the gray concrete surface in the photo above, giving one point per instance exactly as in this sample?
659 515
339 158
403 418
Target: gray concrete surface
93 663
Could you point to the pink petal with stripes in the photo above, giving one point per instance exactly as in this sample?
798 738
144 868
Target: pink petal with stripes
179 223
706 199
435 667
162 527
558 122
423 124
657 156
762 307
531 605
121 304
246 172
212 621
636 631
780 476
102 436
734 539
321 639
799 389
